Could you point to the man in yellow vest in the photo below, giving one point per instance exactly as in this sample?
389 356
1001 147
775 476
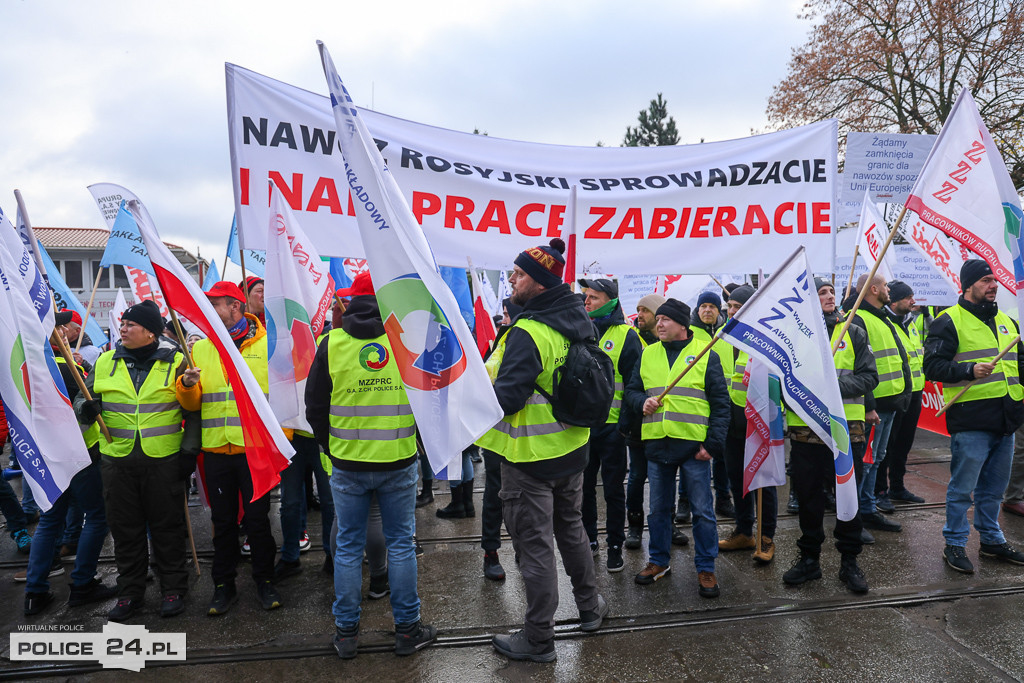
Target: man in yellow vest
224 462
812 466
145 466
360 414
621 342
889 484
961 348
892 395
543 459
681 433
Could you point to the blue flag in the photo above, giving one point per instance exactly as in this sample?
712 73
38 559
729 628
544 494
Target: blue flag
65 298
458 282
255 260
125 246
211 277
338 272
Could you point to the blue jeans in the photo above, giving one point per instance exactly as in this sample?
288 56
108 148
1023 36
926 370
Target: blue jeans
86 489
28 501
980 464
879 444
663 488
293 497
467 468
72 525
396 493
11 508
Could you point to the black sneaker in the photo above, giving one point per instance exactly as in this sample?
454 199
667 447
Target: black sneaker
876 521
224 596
956 557
905 496
806 568
492 566
172 605
268 595
614 563
852 576
517 646
93 591
37 602
591 619
725 508
379 587
883 503
594 548
1002 551
683 515
679 538
410 638
346 641
793 506
124 609
634 537
283 569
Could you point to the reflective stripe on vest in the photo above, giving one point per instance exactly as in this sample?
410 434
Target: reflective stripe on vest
915 355
370 416
612 341
533 434
152 413
977 344
737 389
887 356
90 432
220 422
685 410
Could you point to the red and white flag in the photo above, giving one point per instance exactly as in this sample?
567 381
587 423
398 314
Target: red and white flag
871 235
266 447
485 332
569 271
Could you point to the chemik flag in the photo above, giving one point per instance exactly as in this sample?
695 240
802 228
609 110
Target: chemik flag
267 450
448 387
782 325
871 235
298 291
45 436
764 454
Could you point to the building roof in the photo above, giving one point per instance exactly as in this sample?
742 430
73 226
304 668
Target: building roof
80 238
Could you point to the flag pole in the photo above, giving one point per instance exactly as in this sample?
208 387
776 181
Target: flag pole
853 268
759 536
199 258
95 286
32 236
690 364
191 537
867 283
65 351
180 333
963 391
717 282
245 280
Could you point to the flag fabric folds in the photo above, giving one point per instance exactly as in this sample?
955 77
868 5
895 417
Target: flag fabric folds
764 453
449 390
66 298
255 260
39 289
45 435
124 246
871 235
782 325
491 301
212 277
267 450
569 271
115 313
297 295
458 282
504 290
484 326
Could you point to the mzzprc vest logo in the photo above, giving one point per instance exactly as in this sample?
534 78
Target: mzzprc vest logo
373 357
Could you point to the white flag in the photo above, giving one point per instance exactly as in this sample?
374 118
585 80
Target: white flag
491 300
782 325
504 289
871 235
764 453
450 393
115 313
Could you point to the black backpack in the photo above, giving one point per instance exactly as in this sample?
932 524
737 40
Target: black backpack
583 387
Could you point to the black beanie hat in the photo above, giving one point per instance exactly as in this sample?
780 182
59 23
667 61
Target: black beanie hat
147 314
741 294
899 290
709 298
544 264
676 310
972 271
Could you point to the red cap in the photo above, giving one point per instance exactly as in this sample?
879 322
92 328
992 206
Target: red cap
223 288
249 282
361 286
75 317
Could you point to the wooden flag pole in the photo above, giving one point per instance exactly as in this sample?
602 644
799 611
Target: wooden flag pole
181 336
868 281
65 351
853 268
245 280
970 384
88 309
717 282
191 537
759 536
689 365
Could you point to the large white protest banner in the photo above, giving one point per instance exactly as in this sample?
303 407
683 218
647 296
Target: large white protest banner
714 207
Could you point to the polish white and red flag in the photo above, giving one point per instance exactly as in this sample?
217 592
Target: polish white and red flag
569 271
871 235
764 454
484 323
267 449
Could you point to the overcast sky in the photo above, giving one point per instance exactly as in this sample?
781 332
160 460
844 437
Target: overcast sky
133 92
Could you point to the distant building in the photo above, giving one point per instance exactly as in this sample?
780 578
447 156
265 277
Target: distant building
77 253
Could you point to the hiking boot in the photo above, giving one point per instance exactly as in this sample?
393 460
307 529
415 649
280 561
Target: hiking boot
426 497
956 557
283 569
22 540
905 496
455 509
591 619
467 499
124 609
268 596
492 566
806 568
793 506
224 596
883 503
635 531
93 591
707 585
873 520
172 605
767 551
679 538
346 641
517 646
1002 551
725 508
37 602
614 562
651 573
412 637
852 576
379 587
736 541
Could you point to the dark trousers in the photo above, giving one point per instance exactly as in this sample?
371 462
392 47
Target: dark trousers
722 478
637 478
813 470
227 476
607 454
490 514
746 506
140 494
901 439
10 506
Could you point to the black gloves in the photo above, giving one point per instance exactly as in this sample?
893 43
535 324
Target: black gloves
90 411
